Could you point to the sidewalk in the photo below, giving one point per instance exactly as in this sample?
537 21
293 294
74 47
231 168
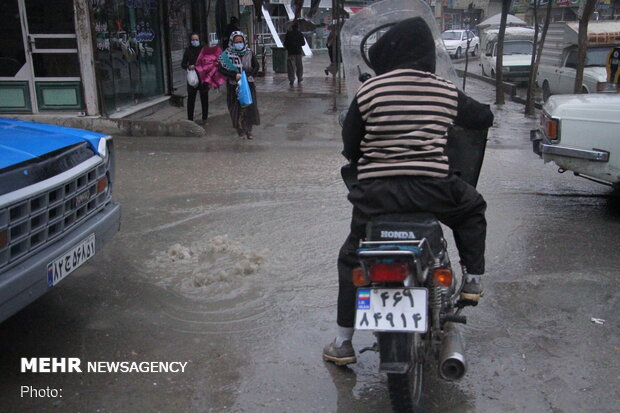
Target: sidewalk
160 118
315 84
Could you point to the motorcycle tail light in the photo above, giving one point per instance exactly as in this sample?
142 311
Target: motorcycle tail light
442 277
392 272
359 278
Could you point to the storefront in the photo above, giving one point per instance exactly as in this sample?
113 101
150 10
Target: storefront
128 54
39 58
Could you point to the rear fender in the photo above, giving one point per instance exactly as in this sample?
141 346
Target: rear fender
396 351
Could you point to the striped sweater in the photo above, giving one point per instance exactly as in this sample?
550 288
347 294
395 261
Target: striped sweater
406 115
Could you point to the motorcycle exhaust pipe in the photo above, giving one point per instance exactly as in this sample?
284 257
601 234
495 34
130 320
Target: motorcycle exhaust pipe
452 364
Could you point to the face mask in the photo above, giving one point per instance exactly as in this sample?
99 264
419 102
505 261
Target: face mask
195 43
239 46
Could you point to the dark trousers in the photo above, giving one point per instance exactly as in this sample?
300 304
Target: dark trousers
204 100
454 202
294 66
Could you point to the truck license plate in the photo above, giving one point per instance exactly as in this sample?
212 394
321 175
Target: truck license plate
70 261
392 309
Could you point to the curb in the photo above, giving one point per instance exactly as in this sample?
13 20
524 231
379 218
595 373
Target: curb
122 127
509 88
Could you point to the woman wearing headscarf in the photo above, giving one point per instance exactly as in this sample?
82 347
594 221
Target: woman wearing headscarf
235 59
189 63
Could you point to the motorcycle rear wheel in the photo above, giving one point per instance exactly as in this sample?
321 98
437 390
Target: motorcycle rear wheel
406 389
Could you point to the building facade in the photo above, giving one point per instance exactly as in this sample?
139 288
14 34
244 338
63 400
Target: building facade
97 57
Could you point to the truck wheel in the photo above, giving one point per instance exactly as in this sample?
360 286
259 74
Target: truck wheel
475 51
546 91
457 54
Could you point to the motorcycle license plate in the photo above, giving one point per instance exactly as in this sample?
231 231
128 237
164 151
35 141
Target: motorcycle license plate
392 309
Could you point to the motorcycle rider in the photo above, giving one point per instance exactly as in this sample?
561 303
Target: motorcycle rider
396 133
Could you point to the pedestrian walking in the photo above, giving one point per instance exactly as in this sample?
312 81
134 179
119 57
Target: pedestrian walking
294 41
331 41
189 63
234 60
231 27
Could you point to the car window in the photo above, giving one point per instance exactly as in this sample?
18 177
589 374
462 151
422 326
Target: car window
571 59
451 36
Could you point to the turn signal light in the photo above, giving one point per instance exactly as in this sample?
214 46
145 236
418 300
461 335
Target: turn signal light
393 272
359 278
550 127
442 277
102 184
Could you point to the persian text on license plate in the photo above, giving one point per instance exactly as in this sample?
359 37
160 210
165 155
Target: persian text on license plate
70 261
392 309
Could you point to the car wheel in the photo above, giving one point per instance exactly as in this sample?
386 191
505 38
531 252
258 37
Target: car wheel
482 68
493 73
546 91
475 52
457 54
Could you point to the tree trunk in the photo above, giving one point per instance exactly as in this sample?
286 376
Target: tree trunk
541 45
529 101
499 90
582 43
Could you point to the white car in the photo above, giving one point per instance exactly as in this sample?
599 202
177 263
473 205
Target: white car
579 133
456 42
516 62
558 80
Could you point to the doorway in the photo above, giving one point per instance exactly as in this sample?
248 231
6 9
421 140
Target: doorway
39 59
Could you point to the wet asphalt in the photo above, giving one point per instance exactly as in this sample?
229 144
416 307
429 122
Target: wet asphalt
226 261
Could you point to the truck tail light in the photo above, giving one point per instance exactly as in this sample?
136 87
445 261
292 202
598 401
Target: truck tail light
550 126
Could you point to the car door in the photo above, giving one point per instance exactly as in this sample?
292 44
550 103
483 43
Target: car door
567 73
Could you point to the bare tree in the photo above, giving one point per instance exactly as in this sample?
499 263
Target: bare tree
585 11
529 110
529 101
499 90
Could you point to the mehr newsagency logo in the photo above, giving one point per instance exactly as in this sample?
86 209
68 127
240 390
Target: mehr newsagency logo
75 365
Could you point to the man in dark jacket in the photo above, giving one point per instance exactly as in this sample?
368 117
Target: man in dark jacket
294 41
396 133
231 27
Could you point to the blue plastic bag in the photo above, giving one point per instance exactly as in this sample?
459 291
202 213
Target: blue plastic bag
243 91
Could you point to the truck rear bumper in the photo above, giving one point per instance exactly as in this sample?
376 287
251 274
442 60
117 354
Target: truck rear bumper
22 284
541 146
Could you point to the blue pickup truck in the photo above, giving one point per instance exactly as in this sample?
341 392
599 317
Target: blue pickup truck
56 208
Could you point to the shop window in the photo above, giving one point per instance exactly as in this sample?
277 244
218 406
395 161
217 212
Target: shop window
12 55
50 16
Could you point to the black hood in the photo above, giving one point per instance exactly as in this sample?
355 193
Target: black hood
407 45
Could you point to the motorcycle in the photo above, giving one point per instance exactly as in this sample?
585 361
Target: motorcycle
407 292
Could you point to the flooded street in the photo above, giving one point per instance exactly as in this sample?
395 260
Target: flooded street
226 260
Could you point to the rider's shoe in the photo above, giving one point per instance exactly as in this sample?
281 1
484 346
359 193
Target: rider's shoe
340 356
472 288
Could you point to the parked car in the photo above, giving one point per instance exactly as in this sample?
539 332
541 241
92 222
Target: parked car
558 62
516 63
56 208
456 42
579 133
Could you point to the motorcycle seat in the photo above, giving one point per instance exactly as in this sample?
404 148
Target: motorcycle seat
411 226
